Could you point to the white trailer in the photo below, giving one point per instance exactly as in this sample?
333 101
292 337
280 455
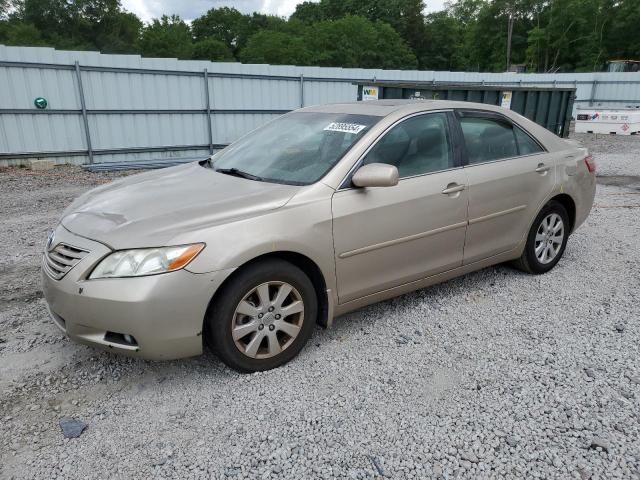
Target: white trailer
611 121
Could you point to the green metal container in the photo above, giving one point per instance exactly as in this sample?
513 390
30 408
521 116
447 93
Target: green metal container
549 107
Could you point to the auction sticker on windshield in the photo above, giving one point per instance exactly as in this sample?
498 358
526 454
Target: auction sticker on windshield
345 127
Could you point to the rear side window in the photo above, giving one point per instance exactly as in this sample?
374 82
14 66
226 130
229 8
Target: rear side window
488 139
526 144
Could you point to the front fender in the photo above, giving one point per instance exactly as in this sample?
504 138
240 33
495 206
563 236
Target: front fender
303 226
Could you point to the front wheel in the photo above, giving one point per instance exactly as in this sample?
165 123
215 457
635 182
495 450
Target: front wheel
546 241
263 317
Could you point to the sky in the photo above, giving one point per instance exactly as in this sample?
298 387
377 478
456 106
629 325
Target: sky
190 9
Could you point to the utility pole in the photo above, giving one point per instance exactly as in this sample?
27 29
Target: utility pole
509 36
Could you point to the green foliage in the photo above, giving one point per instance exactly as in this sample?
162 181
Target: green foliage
547 35
225 24
166 37
277 48
231 27
443 42
20 33
213 50
347 42
70 24
622 34
357 42
405 16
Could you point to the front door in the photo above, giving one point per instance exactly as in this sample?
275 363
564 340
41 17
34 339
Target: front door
389 236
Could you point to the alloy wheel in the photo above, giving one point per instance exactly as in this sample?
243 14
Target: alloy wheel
549 238
267 320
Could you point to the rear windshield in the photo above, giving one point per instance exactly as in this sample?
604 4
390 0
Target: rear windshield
298 148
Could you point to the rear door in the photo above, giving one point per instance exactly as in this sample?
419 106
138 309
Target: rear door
510 177
388 236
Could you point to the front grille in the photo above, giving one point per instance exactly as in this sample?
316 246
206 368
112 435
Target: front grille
61 259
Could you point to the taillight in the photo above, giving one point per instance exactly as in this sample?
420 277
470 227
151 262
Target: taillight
590 163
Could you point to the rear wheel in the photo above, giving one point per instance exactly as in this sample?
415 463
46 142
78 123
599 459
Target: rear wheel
546 241
263 317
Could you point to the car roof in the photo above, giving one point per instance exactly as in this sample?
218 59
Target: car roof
396 109
382 108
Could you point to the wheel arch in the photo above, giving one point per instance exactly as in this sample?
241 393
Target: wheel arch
304 263
569 205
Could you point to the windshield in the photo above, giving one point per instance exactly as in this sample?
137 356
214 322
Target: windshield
298 148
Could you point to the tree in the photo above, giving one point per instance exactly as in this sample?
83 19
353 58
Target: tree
225 24
547 35
277 48
213 50
118 33
233 28
309 12
405 16
73 24
5 9
359 43
166 37
620 35
569 35
18 33
347 42
443 43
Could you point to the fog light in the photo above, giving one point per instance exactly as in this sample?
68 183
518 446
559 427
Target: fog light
121 339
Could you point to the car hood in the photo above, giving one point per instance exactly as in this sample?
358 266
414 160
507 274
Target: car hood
156 208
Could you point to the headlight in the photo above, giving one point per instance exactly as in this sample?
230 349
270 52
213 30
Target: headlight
146 261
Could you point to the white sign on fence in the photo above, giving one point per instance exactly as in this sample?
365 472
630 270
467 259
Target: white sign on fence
369 93
506 100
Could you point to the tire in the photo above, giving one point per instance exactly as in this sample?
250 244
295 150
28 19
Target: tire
269 330
534 260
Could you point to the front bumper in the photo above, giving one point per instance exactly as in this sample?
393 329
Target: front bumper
163 313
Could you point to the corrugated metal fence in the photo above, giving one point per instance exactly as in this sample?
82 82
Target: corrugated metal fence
124 108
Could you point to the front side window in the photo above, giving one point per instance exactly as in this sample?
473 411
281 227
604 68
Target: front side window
416 146
298 148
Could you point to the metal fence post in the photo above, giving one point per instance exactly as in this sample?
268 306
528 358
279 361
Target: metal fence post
594 87
301 90
83 106
208 108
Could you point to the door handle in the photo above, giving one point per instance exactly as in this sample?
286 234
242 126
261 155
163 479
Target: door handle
542 168
453 188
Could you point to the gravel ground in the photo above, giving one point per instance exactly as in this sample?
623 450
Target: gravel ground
496 374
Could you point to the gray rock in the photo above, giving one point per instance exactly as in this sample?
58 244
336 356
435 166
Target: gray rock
601 442
590 373
469 456
71 427
584 473
512 441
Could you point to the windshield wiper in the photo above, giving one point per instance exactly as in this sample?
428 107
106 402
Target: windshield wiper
239 173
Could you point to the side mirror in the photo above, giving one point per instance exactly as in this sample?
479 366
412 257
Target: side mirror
376 175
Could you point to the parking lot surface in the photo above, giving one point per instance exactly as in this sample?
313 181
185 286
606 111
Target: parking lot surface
495 374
